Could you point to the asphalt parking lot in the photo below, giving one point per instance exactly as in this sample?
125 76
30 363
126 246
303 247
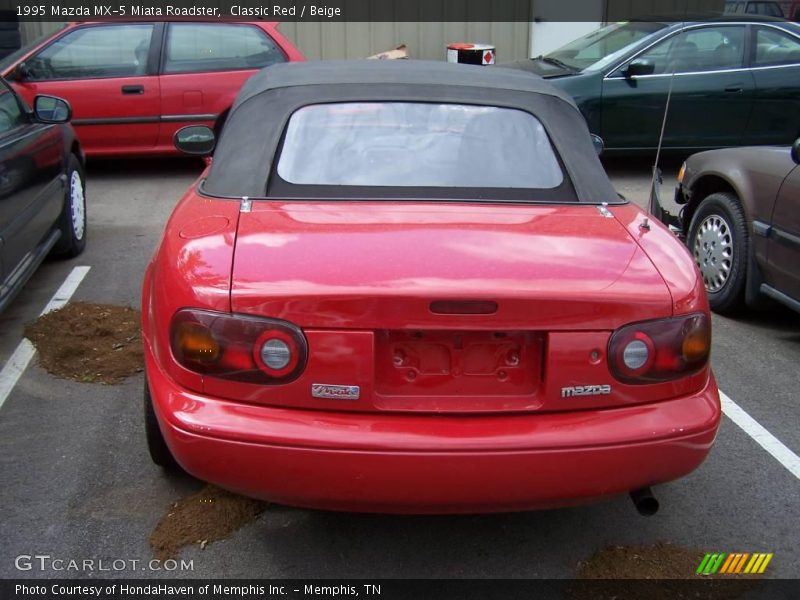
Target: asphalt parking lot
77 482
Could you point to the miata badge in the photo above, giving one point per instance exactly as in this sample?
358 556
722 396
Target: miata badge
335 392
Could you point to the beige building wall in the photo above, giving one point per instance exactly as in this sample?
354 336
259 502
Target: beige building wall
424 40
616 9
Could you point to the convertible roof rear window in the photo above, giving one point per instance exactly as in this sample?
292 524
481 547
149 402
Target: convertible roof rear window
421 145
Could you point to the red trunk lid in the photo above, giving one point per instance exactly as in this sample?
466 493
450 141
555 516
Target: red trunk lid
444 306
380 265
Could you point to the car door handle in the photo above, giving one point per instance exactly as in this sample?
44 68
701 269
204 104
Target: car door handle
133 89
734 89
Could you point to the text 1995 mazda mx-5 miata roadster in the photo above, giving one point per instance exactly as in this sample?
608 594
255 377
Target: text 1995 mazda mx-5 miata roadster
410 287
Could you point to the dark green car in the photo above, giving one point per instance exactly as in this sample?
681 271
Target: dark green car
735 81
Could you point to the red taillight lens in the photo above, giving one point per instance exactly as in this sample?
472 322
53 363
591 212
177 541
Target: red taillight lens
238 347
655 351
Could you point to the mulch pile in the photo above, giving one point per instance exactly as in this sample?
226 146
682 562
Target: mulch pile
660 561
90 343
662 571
207 516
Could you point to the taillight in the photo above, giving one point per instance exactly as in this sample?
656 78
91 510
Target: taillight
655 351
238 347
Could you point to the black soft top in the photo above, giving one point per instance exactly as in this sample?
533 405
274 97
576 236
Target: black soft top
254 128
398 72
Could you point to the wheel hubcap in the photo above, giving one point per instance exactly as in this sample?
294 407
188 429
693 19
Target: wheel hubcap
77 205
713 251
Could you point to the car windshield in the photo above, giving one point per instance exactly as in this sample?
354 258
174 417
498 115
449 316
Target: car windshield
402 144
597 48
9 60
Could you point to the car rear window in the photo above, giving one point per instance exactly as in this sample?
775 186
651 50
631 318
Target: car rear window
405 145
197 47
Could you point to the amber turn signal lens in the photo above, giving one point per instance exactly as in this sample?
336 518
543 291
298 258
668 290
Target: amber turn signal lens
196 343
697 343
681 173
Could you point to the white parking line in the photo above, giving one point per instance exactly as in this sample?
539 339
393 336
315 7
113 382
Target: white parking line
763 438
22 356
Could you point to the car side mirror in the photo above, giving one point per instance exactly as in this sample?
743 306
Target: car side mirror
197 140
639 67
598 143
796 151
49 109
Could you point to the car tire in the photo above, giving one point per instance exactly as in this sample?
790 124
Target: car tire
718 240
72 221
156 445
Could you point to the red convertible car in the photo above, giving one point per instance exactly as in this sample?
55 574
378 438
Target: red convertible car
410 287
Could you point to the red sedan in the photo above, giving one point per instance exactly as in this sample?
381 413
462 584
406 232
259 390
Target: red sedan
410 287
133 84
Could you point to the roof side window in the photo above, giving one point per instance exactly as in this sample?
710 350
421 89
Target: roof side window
699 49
403 144
199 47
94 52
774 47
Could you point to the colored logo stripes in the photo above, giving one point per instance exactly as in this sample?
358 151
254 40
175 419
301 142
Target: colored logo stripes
734 563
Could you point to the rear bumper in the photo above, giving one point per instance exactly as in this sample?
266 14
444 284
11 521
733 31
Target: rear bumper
432 464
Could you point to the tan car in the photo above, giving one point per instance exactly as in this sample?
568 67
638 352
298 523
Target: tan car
741 216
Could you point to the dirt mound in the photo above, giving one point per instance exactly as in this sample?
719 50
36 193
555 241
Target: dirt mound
660 561
90 343
209 515
662 571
